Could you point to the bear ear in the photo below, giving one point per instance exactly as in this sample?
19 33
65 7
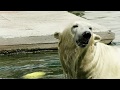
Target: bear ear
57 35
97 38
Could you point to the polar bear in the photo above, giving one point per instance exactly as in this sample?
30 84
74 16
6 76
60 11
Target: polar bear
82 55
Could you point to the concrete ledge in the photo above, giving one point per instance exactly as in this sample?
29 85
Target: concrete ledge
23 30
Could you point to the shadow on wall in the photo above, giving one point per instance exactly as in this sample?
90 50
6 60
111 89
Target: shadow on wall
78 13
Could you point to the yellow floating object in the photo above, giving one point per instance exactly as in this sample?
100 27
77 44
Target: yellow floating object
34 75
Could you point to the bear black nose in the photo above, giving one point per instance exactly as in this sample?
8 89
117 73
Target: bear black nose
86 34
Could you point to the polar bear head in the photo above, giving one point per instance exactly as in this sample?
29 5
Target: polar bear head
79 34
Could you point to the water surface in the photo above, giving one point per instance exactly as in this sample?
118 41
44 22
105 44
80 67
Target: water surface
17 65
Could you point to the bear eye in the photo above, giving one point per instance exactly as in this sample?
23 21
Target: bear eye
75 26
90 28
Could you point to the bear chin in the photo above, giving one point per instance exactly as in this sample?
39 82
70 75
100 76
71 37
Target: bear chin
82 45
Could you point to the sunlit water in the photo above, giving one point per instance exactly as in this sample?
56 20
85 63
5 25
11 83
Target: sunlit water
17 65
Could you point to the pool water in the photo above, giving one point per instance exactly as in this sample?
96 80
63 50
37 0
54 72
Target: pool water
17 65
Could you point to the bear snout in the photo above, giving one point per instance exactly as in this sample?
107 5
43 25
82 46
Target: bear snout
83 39
86 34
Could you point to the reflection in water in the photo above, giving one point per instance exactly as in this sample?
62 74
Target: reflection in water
15 66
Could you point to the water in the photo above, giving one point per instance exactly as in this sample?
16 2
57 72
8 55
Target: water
15 66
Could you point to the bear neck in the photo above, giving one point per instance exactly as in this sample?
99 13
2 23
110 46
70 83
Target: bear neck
85 63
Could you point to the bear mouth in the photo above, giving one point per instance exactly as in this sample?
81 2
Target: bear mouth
82 42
